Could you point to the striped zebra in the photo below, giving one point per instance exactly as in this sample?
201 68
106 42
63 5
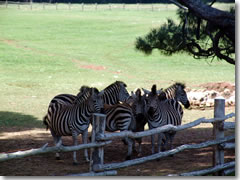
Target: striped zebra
120 117
126 116
162 111
72 119
138 104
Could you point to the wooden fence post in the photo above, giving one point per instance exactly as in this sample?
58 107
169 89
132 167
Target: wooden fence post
96 6
97 154
69 5
82 5
218 132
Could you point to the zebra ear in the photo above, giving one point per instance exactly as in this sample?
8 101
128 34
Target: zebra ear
94 91
159 91
154 89
133 95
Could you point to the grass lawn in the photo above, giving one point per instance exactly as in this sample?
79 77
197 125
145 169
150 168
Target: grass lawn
48 52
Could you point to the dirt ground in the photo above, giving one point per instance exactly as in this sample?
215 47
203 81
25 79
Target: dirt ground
15 139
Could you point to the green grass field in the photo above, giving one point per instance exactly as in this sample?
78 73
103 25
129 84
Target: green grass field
48 52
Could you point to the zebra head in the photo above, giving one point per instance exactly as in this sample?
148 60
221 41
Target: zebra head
177 92
123 93
138 102
139 109
151 100
115 92
95 102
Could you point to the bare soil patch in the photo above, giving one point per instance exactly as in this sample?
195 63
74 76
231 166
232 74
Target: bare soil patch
15 139
218 86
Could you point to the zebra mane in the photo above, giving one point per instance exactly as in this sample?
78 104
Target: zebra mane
84 94
83 89
175 85
117 83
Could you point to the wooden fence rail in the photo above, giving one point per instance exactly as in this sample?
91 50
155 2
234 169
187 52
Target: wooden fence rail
111 136
44 149
160 154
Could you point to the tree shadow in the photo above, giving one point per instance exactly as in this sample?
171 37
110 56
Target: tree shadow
27 138
16 119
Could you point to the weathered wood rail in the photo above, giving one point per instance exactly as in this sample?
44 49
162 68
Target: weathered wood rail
100 139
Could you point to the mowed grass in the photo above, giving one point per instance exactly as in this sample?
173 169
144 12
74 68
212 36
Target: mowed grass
49 52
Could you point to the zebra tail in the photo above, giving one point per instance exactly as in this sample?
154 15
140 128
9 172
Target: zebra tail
45 122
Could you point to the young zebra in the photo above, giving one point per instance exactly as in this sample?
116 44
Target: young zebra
162 111
72 119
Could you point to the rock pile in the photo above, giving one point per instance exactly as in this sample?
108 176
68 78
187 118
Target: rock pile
204 97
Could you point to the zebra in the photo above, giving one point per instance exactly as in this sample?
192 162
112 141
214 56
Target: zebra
120 117
138 104
176 92
72 119
127 116
162 111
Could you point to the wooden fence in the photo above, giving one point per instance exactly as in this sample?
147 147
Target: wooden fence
100 139
85 7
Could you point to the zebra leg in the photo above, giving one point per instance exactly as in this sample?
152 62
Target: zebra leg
153 143
160 138
140 147
84 139
166 143
75 143
171 136
57 141
130 146
133 146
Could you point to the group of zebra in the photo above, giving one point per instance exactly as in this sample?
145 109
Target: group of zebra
71 115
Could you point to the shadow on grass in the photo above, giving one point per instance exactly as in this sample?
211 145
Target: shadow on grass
15 119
